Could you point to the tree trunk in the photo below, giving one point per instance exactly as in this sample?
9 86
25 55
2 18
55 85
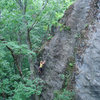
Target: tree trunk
15 60
30 59
20 57
0 14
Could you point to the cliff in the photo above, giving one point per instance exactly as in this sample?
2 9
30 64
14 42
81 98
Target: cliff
83 19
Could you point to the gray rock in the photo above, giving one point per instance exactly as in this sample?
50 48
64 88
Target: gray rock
88 81
61 47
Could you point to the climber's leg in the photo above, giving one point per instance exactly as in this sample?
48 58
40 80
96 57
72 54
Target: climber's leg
40 70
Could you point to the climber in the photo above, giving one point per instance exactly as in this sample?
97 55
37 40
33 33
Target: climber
41 66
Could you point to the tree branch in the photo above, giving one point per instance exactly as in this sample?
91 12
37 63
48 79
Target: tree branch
20 4
15 59
33 25
24 7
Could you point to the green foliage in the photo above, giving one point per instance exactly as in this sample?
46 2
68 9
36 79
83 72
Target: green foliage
13 87
77 36
80 35
67 28
86 26
24 91
62 76
66 93
61 28
19 49
50 37
63 95
15 23
71 64
64 27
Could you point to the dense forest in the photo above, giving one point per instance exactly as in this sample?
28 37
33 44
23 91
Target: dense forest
25 28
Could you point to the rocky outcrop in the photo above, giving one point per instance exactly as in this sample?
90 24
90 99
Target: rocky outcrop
61 47
88 81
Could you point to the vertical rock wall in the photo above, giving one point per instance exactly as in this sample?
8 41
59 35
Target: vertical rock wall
88 80
61 47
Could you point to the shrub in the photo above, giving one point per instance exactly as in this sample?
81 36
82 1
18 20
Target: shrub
63 95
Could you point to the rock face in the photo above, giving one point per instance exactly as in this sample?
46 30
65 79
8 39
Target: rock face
61 47
88 80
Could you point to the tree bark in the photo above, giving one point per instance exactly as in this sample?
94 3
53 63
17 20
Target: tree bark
30 56
23 6
15 60
20 57
0 15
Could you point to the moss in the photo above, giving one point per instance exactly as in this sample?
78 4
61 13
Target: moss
50 37
86 25
67 28
61 28
64 27
78 35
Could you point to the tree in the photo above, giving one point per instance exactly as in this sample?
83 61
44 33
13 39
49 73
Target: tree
24 26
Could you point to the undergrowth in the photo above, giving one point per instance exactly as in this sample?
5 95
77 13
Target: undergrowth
67 92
